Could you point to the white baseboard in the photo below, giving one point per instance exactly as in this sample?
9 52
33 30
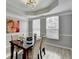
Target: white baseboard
58 46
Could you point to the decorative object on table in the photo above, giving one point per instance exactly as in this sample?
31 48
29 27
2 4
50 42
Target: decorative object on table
29 40
12 25
21 37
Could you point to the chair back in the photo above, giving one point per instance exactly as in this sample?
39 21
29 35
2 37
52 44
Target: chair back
42 45
36 49
18 36
14 37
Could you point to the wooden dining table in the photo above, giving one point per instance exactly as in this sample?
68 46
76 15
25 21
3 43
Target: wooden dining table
20 45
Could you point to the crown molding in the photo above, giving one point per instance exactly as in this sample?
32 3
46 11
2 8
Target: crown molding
49 15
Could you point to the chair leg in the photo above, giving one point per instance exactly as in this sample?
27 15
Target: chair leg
40 53
16 55
12 50
38 56
43 51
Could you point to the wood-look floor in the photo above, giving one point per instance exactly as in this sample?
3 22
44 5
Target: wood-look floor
53 52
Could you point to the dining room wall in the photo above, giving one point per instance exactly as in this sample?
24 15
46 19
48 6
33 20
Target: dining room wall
65 30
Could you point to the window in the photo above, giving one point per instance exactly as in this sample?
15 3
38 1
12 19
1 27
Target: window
36 27
52 27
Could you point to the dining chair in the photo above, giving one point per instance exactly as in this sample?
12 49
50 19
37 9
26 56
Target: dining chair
16 37
42 46
35 50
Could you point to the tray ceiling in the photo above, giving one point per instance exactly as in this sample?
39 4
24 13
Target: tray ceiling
17 6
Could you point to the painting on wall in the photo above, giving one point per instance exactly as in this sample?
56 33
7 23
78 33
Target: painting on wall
12 25
52 27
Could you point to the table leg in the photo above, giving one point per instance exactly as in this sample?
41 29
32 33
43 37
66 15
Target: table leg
12 51
25 54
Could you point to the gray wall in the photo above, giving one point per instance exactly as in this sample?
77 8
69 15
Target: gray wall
65 31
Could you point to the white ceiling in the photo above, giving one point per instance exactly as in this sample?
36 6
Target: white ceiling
18 8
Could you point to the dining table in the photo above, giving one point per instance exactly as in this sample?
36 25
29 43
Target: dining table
20 45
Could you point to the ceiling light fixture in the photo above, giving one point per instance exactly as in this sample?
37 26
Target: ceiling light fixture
31 3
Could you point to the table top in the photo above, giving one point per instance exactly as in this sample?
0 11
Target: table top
20 44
